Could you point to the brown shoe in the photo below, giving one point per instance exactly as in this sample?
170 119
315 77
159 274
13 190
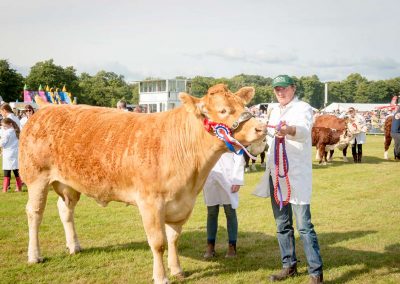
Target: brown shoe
210 251
286 272
231 253
316 279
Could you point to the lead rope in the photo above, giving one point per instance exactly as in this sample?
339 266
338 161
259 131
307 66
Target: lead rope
285 161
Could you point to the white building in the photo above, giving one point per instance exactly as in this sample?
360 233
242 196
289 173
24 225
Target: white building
161 95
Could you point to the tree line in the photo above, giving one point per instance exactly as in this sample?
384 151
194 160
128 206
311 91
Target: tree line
105 88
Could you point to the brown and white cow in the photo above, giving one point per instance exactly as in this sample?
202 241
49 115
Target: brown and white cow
388 136
326 139
158 162
335 123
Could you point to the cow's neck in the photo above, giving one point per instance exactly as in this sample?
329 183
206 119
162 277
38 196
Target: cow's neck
197 149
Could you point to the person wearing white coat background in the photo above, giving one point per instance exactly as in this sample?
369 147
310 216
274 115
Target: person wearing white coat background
360 136
297 117
9 142
221 189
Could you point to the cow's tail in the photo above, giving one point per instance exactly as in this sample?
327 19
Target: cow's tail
40 101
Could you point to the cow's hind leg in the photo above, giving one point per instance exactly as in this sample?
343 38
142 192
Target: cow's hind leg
37 197
388 141
153 216
173 233
66 205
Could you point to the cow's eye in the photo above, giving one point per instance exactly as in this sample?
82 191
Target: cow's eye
223 111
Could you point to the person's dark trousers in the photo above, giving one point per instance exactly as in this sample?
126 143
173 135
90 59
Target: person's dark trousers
356 150
285 233
212 223
396 138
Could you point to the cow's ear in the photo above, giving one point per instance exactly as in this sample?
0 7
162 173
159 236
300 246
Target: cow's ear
246 94
192 104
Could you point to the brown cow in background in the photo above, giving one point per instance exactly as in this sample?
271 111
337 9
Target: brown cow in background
335 123
158 162
323 137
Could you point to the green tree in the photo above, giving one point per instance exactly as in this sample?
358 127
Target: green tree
350 86
200 85
46 73
11 83
104 89
312 91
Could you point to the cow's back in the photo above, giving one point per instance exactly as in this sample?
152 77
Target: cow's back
92 149
330 121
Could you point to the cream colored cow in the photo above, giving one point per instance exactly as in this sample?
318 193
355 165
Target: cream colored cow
158 162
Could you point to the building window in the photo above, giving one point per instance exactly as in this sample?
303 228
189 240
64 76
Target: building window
152 107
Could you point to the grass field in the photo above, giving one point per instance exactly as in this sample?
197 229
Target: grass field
355 211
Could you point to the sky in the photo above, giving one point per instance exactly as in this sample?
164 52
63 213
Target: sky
217 38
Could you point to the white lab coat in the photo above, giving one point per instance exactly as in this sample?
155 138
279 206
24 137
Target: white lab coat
228 171
361 126
13 117
298 148
9 143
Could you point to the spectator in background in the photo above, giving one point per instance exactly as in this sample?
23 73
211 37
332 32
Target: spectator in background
9 143
7 112
29 111
138 109
122 105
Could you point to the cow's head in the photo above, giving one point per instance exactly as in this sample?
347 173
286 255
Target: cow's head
222 106
344 139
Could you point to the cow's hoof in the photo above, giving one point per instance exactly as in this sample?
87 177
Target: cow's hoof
74 250
179 276
35 260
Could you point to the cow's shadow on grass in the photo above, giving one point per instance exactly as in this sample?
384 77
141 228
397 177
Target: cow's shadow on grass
258 251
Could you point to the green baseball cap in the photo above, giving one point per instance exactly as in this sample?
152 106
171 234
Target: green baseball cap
282 81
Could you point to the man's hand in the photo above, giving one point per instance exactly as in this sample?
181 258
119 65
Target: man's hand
286 130
235 188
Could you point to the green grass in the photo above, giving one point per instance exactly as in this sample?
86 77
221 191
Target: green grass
355 209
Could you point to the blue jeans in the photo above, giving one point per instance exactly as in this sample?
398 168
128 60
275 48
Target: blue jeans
212 223
285 232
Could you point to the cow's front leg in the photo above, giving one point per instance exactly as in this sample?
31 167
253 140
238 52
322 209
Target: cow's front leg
153 217
173 233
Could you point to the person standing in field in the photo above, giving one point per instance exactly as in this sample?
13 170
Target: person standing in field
9 143
29 111
295 119
360 134
395 133
222 189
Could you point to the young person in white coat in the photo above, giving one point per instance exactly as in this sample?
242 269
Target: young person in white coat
297 119
9 143
359 126
222 189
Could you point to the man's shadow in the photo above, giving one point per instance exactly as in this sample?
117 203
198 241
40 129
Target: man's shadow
260 251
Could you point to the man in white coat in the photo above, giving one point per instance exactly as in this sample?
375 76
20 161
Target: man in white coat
221 189
295 118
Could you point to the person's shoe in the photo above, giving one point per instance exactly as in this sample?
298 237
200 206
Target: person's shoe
263 165
253 167
231 253
210 251
359 158
316 279
247 169
285 273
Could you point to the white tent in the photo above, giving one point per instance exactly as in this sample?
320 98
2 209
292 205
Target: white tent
358 107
